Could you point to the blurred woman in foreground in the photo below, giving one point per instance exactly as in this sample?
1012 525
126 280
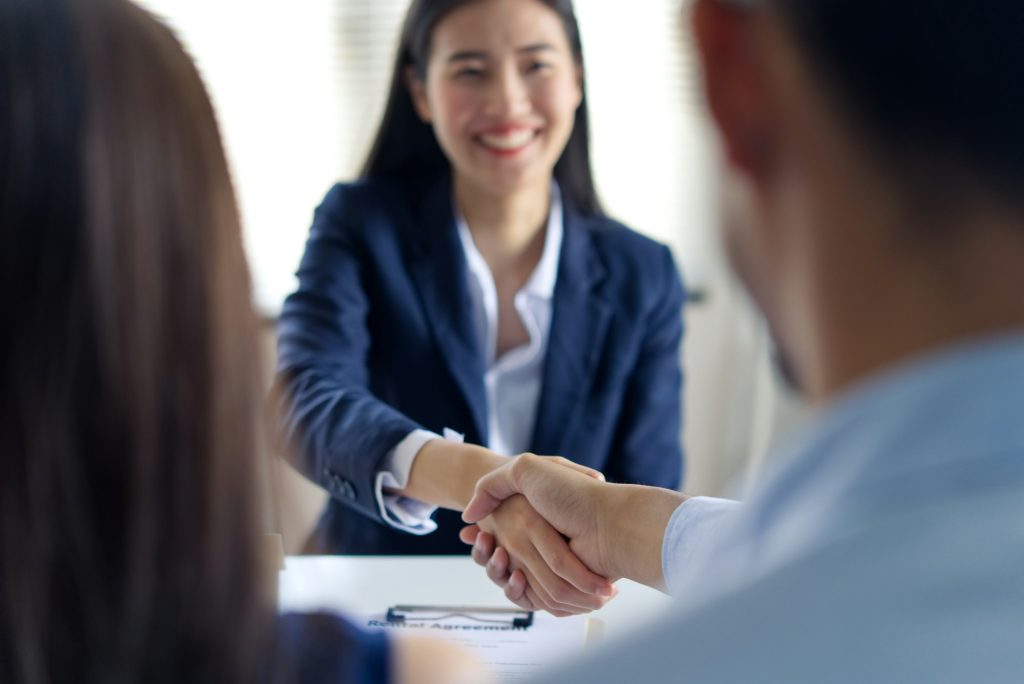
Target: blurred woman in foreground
129 400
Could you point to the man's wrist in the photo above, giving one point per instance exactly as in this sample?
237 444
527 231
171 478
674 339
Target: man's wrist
632 526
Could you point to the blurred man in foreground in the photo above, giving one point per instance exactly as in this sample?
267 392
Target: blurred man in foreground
874 177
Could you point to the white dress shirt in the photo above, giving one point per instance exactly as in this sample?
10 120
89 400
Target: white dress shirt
512 382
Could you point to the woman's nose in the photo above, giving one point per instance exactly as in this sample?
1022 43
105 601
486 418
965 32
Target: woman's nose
508 95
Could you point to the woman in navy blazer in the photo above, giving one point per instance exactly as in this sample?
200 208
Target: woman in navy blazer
483 152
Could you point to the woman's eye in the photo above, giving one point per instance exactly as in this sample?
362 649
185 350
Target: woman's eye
469 73
535 67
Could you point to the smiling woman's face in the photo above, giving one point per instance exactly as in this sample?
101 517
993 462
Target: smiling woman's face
501 91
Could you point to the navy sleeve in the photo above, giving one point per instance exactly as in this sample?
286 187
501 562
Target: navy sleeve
321 648
339 430
647 447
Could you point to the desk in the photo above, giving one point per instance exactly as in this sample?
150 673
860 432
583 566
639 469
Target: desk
369 584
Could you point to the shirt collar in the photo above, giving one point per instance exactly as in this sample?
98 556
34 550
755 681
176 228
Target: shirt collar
541 283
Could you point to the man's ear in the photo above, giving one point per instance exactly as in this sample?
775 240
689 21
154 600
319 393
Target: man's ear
734 84
418 93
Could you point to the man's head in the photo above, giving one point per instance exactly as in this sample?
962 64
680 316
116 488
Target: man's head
874 156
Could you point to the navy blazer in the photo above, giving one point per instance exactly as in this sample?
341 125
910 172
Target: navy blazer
378 341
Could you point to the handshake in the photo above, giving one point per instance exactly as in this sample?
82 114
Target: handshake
556 536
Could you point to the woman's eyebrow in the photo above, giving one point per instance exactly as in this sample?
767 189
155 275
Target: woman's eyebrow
536 47
464 55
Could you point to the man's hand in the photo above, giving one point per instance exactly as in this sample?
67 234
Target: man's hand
549 575
564 493
513 568
573 515
616 530
445 474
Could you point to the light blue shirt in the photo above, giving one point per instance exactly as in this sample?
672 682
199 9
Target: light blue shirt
887 544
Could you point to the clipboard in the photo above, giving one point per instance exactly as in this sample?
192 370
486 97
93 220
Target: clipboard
516 618
515 644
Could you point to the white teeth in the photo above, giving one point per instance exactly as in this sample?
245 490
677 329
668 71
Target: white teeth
507 141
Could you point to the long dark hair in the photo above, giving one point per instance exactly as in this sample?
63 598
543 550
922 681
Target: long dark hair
128 397
406 146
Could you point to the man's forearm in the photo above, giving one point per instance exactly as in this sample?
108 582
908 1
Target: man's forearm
633 520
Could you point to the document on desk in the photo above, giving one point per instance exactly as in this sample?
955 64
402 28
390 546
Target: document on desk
513 653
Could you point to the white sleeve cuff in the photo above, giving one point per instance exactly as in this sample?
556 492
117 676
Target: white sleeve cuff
693 528
403 513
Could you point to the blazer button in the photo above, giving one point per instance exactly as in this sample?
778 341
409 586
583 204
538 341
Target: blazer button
347 489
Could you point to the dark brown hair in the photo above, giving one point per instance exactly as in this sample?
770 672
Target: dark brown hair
405 146
128 385
938 83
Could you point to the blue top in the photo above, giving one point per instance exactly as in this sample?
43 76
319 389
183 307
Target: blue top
886 546
322 648
379 340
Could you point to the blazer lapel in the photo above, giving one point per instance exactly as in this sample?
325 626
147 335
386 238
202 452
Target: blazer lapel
579 326
438 266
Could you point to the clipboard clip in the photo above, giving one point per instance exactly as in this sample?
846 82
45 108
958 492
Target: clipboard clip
514 617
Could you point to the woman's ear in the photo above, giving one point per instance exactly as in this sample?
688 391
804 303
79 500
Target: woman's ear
580 74
418 93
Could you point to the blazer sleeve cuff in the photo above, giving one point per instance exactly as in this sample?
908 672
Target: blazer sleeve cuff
401 512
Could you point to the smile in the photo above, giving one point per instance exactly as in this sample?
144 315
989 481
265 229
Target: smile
508 142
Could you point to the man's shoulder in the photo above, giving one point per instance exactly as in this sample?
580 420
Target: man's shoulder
915 597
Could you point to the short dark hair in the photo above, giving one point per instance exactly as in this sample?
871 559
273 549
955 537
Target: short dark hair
939 83
405 146
129 404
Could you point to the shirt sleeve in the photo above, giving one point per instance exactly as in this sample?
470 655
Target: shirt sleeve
693 528
401 512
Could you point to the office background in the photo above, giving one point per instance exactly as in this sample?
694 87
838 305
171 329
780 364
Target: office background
299 88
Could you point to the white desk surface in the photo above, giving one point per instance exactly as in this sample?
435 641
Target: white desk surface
370 584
